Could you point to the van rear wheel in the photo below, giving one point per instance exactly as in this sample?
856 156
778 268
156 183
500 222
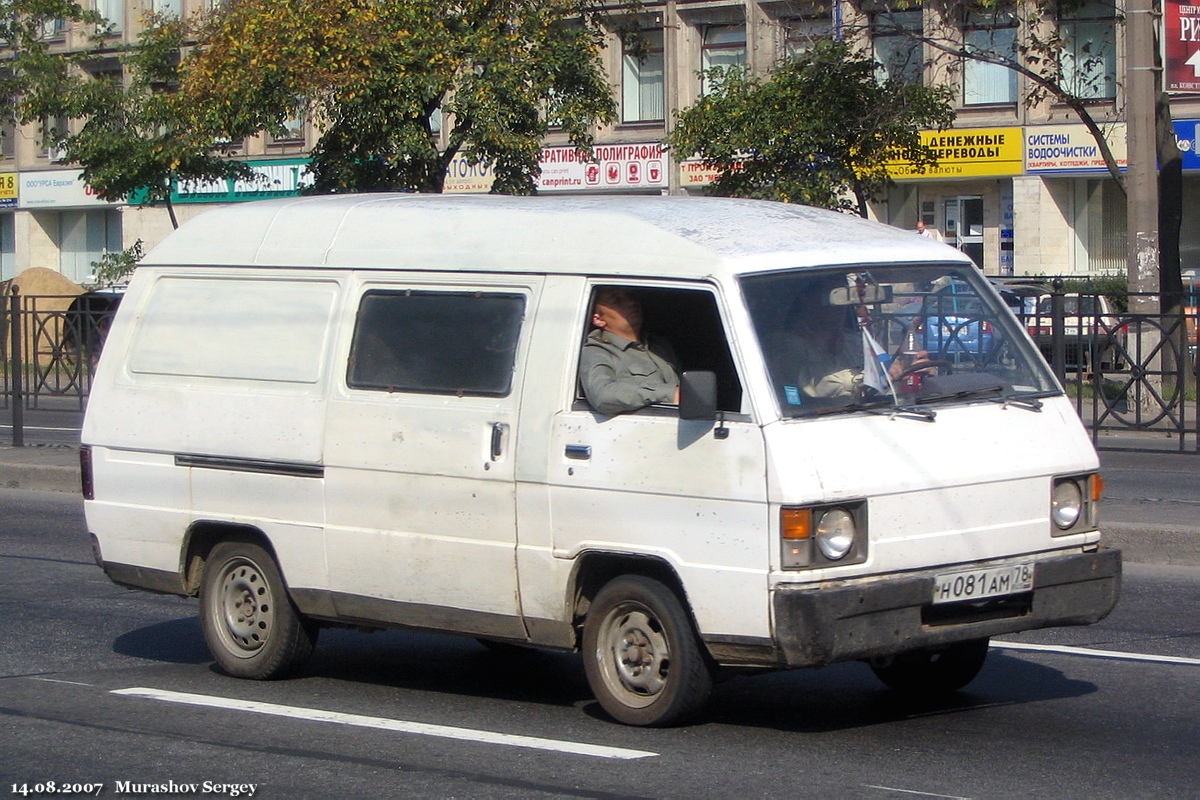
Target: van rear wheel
251 627
642 658
933 671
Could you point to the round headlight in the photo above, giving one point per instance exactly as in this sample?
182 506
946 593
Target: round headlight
835 533
1066 504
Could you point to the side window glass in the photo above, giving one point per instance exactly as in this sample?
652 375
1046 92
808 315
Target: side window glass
684 326
458 343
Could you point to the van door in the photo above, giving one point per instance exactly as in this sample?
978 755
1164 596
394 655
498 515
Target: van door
689 493
421 520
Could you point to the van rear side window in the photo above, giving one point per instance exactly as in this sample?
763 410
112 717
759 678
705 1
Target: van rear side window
235 328
456 343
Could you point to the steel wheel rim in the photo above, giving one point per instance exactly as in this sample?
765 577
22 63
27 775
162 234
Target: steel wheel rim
634 655
245 607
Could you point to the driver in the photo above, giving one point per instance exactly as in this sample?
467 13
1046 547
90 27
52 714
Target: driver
819 351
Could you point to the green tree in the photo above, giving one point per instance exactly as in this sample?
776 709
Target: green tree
374 75
132 133
28 29
820 129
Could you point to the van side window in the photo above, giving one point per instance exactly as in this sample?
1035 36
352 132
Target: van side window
689 321
459 343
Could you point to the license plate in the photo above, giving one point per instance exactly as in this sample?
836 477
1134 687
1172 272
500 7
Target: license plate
976 584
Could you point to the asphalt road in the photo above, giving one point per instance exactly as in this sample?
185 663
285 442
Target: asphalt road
103 686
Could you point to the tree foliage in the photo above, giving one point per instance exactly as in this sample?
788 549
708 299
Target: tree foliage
373 73
820 129
28 29
132 135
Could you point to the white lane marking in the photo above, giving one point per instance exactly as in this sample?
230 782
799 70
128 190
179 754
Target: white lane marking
1084 651
381 723
914 791
41 428
69 683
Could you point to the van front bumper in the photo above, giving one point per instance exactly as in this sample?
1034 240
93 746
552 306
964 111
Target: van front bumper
885 615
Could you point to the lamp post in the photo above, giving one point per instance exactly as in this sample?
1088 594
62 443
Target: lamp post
1142 87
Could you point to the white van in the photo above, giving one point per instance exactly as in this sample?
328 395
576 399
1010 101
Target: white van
366 410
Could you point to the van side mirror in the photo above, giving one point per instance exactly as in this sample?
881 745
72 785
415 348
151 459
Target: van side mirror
698 395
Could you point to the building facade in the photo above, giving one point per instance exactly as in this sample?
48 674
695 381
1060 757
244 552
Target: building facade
1020 186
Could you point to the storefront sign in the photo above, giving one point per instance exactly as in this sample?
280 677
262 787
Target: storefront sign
8 190
967 153
617 167
621 167
273 178
465 178
1181 30
1071 148
56 189
694 173
1187 136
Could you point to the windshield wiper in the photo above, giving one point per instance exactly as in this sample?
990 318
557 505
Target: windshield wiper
919 412
963 394
881 406
1031 403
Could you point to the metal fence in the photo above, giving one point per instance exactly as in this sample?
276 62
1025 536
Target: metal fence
1126 371
49 345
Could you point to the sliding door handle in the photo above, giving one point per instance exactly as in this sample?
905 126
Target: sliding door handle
579 452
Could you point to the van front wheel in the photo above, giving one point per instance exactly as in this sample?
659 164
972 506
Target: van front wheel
251 627
642 658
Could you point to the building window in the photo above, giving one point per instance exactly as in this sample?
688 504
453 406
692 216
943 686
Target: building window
450 343
801 33
642 71
54 29
8 248
724 46
8 139
1089 55
114 12
168 8
895 37
989 32
1100 230
293 130
84 237
52 133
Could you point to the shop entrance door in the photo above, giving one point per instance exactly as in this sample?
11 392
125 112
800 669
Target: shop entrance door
964 226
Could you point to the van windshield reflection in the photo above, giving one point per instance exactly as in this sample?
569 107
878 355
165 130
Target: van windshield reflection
898 337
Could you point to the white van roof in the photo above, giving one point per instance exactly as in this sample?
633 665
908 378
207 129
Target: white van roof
688 237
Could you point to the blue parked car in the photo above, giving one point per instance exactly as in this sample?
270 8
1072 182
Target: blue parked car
955 326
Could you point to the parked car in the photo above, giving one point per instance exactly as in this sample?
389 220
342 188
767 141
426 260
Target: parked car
956 325
88 320
1092 332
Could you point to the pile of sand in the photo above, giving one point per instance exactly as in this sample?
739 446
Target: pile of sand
57 290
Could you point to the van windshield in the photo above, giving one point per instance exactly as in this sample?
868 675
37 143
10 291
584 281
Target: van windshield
911 336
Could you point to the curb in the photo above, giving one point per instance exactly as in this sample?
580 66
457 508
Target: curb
40 479
1176 545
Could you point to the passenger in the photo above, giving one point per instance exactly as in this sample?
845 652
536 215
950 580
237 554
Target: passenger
620 370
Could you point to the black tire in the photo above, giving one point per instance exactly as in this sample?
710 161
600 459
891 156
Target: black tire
642 658
934 671
251 627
